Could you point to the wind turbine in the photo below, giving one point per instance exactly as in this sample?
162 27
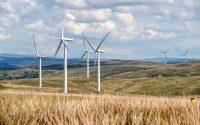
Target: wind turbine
87 52
165 54
185 55
97 53
64 40
40 62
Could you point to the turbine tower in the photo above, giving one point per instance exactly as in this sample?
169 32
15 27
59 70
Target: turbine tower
97 53
87 52
185 55
40 62
63 40
165 55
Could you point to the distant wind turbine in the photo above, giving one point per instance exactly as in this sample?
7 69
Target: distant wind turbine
97 53
185 55
40 62
64 40
165 55
87 52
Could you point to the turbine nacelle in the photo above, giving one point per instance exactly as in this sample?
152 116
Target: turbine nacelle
89 51
101 51
67 39
40 56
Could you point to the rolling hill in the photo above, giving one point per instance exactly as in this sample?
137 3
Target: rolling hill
118 76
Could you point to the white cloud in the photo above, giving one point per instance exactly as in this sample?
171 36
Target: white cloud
9 20
98 15
4 37
151 34
129 21
189 3
6 5
186 15
114 3
19 6
125 18
73 4
169 1
38 25
70 17
122 26
130 9
120 52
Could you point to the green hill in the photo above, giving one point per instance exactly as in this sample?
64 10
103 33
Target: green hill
128 77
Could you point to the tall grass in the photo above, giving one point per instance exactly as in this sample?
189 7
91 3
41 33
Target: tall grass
50 109
1 86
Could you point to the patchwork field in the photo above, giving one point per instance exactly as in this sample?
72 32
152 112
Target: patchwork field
129 77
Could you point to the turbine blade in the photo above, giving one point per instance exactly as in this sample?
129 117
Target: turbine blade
62 18
167 50
102 41
58 48
65 44
84 44
83 54
89 42
187 52
36 50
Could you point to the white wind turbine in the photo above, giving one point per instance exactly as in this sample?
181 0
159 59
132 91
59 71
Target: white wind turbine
97 53
165 55
64 40
87 52
40 62
185 55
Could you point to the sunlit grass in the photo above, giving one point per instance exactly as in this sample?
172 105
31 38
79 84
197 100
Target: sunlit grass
47 108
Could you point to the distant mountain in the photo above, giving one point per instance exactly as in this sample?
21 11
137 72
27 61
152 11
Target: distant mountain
169 60
5 66
16 61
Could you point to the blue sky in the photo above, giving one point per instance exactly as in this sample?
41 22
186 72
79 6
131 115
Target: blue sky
139 28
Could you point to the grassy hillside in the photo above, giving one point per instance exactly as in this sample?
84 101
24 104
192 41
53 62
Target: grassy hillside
118 77
106 70
114 69
141 86
170 70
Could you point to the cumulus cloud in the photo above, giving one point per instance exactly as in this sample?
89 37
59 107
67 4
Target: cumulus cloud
73 4
98 15
189 3
121 25
129 21
4 37
114 3
38 25
151 34
9 20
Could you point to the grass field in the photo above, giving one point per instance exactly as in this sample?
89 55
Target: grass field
163 86
131 93
35 108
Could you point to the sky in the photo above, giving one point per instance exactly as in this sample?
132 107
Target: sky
139 28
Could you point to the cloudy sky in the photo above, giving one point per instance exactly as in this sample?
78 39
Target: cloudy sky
139 28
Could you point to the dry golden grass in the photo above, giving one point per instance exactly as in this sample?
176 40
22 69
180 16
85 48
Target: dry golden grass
34 108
